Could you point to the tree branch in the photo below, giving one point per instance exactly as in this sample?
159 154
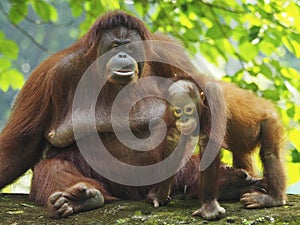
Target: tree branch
225 35
222 8
24 32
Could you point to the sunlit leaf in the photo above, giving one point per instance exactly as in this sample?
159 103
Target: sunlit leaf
290 73
293 11
4 64
227 47
87 6
208 23
239 32
14 78
294 135
139 6
252 19
248 51
293 175
4 85
297 113
193 16
292 44
185 21
11 78
110 4
53 13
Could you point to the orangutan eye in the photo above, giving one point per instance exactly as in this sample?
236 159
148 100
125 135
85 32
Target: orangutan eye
188 109
177 112
114 45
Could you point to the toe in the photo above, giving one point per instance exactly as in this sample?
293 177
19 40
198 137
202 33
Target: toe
54 197
59 202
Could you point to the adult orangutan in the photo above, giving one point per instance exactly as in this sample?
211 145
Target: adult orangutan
45 116
45 102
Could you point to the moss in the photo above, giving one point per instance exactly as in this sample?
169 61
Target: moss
17 209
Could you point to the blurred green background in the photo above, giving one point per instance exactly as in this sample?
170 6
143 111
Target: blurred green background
253 43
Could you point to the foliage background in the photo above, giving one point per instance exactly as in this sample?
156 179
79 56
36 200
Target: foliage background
253 43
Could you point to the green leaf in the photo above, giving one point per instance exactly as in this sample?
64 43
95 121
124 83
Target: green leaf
41 9
216 32
210 52
87 6
45 11
274 36
18 12
9 48
252 86
295 156
191 35
75 9
265 70
226 47
291 112
141 7
271 94
254 31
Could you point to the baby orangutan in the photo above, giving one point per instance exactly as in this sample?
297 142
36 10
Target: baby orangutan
248 122
188 110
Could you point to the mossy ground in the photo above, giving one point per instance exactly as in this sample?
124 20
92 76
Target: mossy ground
17 209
